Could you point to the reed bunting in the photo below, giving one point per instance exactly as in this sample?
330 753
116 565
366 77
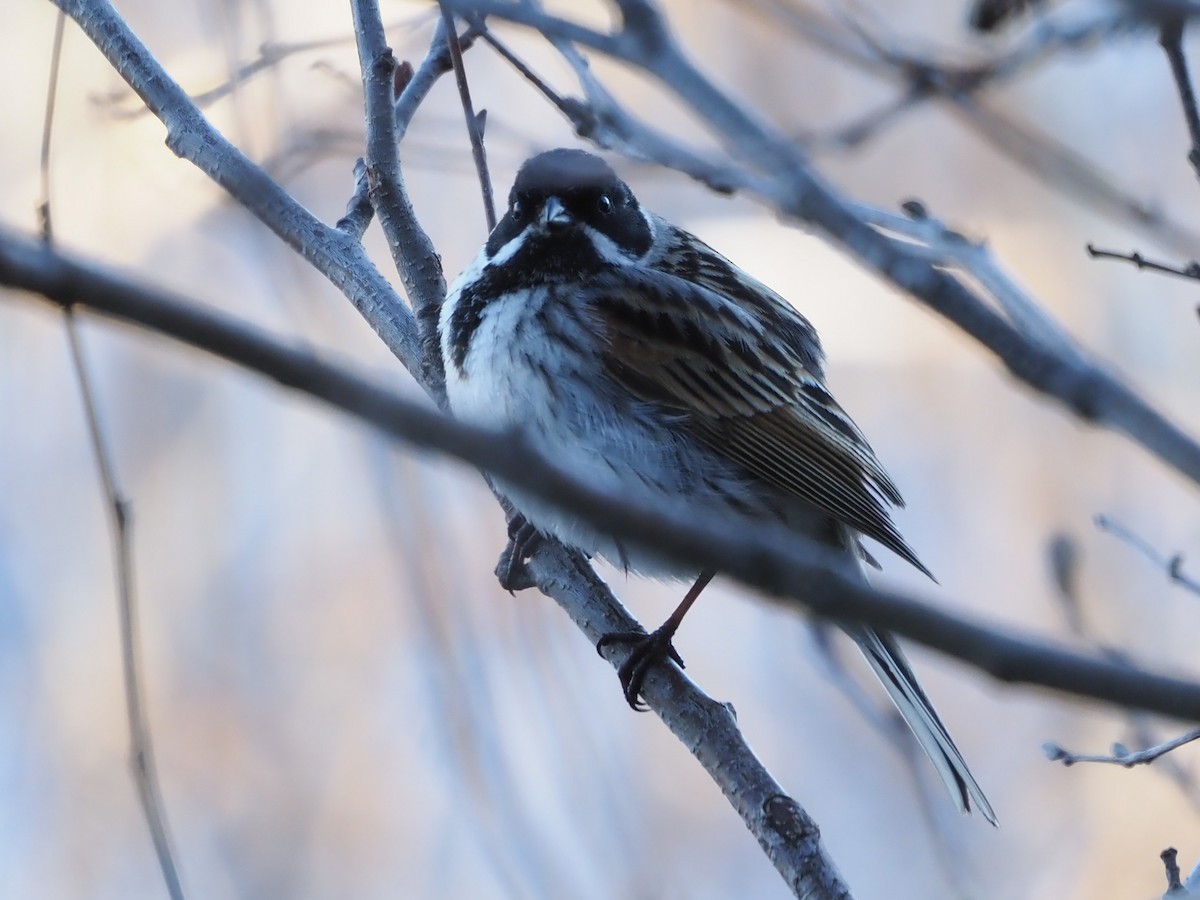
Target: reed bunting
640 359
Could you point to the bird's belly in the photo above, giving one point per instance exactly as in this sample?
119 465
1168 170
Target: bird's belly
515 377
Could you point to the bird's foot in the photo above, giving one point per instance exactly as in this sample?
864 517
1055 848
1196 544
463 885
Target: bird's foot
647 650
523 540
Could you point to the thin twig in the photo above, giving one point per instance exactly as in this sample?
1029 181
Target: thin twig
775 561
1065 561
1121 756
795 189
475 123
1171 565
270 55
47 225
437 63
1190 271
334 253
141 748
1170 38
924 77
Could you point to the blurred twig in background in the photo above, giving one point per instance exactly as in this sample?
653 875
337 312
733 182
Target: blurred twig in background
917 252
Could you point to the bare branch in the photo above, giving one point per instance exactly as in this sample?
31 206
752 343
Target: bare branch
359 210
1170 38
437 63
1064 558
1121 756
475 123
946 247
1065 170
796 191
706 728
141 746
412 251
44 205
788 570
923 76
1171 565
336 254
1190 271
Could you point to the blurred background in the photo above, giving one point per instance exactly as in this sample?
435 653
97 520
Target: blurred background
346 704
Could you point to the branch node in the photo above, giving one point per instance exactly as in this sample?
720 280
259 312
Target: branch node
1171 864
401 78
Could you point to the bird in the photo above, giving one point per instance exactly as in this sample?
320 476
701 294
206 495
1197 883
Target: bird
640 359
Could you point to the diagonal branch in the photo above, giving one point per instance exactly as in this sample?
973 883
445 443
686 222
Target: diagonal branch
788 570
141 743
787 834
1172 565
412 251
796 191
475 122
790 185
336 254
1170 38
783 828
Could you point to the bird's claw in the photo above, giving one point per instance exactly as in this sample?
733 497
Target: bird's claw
523 540
646 651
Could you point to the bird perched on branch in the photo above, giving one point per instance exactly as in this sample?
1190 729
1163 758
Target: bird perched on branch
641 360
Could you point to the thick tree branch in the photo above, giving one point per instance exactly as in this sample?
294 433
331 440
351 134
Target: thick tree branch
790 571
412 251
797 192
788 836
334 253
786 832
771 561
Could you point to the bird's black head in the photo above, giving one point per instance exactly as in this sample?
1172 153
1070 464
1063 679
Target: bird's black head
572 215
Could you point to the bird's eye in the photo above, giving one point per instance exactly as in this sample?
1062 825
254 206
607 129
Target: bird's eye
605 204
518 210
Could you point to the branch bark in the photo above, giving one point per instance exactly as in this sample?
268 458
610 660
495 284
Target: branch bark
788 570
794 189
787 834
777 173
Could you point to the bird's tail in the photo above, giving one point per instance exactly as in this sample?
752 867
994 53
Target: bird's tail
890 666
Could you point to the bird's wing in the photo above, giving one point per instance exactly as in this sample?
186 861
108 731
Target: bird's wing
742 370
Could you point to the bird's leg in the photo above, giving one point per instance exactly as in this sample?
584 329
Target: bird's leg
652 648
523 540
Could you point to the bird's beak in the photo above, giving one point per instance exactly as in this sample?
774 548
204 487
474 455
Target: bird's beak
554 214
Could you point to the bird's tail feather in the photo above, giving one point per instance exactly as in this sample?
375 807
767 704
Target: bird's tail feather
890 666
